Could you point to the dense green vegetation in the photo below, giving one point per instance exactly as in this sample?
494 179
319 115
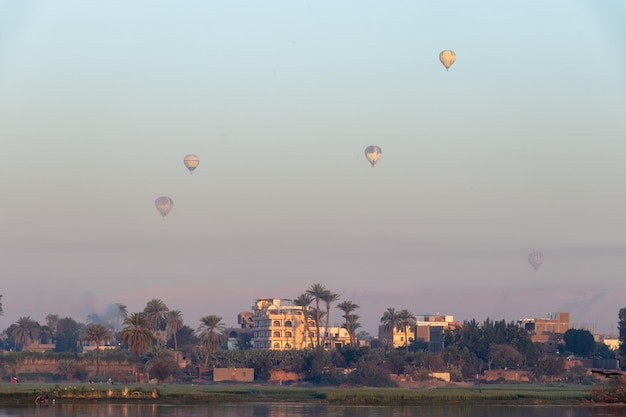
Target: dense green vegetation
510 394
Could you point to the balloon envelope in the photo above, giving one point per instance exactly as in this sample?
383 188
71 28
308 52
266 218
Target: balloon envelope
535 259
164 205
373 153
191 162
447 58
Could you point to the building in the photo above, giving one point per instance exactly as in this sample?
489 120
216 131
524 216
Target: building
396 338
612 341
233 374
244 319
279 325
548 330
428 328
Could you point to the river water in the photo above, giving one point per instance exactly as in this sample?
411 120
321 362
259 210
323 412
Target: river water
303 410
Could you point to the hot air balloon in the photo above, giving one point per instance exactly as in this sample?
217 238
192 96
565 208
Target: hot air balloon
447 58
163 205
373 153
191 162
535 259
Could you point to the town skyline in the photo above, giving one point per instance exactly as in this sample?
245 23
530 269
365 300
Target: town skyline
368 319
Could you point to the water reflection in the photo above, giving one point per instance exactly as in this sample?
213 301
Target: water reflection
304 410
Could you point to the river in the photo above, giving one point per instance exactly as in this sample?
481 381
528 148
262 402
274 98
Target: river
302 410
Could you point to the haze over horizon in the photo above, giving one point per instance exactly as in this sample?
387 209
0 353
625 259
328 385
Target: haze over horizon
519 147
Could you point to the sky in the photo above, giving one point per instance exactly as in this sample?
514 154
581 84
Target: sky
519 147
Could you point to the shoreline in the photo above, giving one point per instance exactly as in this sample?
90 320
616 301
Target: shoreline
450 393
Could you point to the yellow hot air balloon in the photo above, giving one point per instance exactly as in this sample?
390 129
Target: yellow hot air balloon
191 162
447 58
535 259
163 205
373 153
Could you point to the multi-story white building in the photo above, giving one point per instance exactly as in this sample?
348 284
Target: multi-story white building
279 325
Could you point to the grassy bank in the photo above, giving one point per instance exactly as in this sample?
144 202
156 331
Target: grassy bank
179 393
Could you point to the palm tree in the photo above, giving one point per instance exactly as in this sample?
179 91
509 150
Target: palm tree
406 319
173 323
138 336
347 307
211 334
155 311
122 310
96 332
352 325
390 320
26 331
160 363
304 301
328 298
317 291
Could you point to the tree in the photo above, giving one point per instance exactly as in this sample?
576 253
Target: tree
621 325
317 291
244 341
156 313
173 323
580 342
304 301
406 320
136 333
96 332
352 325
1 310
328 299
549 367
26 331
52 321
161 363
504 356
68 335
187 341
390 321
348 307
121 314
211 335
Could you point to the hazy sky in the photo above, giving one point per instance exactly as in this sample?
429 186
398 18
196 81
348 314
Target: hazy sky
519 147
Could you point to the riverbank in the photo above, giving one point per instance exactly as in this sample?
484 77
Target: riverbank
185 393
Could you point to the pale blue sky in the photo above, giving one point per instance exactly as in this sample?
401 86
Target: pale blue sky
519 147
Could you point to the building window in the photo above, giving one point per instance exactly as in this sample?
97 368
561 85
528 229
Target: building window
287 334
276 334
288 323
276 323
276 345
311 334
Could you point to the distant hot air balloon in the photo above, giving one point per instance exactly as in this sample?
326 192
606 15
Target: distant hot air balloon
535 259
373 153
192 162
164 205
447 58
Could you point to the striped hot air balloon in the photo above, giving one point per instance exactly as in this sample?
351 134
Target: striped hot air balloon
191 162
